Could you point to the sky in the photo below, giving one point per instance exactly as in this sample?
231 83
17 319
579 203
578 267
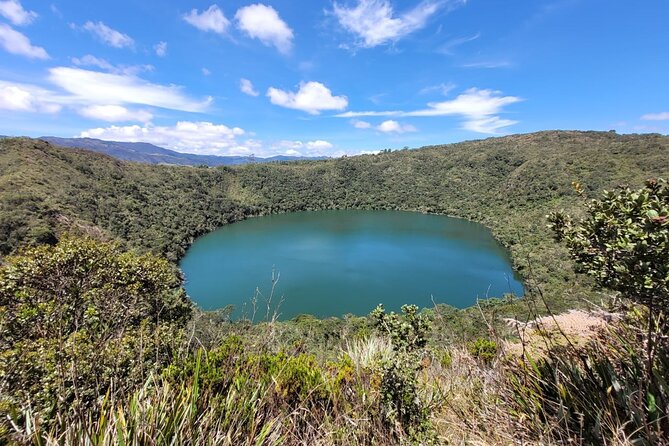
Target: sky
324 77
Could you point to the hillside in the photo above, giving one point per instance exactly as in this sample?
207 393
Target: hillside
508 183
101 345
148 153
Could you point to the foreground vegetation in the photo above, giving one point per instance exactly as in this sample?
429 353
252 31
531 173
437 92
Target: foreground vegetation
99 344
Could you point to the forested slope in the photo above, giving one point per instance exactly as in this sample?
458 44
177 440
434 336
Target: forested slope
508 183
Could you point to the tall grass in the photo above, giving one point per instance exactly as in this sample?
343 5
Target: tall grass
599 393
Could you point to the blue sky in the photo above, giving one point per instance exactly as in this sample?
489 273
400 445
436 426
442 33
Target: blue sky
330 77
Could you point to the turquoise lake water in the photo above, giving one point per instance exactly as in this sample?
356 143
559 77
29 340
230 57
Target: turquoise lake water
330 263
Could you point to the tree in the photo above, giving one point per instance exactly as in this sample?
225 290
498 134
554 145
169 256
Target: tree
81 318
623 242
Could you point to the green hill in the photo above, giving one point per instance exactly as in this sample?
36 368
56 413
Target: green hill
99 344
508 183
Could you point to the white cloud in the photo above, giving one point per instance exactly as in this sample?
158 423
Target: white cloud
361 114
664 116
442 88
246 87
374 22
161 49
312 97
91 61
186 136
487 125
473 103
206 72
361 124
14 12
108 35
212 20
317 147
391 126
448 47
16 43
489 64
262 22
115 113
26 98
476 106
93 87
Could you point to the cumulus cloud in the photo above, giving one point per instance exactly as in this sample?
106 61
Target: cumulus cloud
91 61
361 124
17 43
115 113
374 22
161 49
476 106
262 22
664 116
186 136
391 126
26 98
206 72
317 147
246 87
311 97
212 20
93 87
109 35
13 11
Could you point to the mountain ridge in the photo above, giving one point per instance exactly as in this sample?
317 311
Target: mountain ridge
152 154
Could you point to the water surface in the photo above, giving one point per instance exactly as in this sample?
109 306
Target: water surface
331 263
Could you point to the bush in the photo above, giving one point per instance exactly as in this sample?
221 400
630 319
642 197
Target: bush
483 350
399 384
81 319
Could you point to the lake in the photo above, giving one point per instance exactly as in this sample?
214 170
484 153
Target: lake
330 263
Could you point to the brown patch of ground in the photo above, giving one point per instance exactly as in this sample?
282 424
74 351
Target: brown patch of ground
575 327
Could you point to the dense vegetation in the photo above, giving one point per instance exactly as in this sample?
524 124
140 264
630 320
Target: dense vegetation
100 346
509 184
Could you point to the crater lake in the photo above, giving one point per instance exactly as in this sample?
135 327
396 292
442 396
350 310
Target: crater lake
330 263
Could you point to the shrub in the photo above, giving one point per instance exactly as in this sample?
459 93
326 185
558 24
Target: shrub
295 379
399 383
483 349
83 318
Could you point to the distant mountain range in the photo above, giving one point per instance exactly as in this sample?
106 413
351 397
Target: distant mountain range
148 153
